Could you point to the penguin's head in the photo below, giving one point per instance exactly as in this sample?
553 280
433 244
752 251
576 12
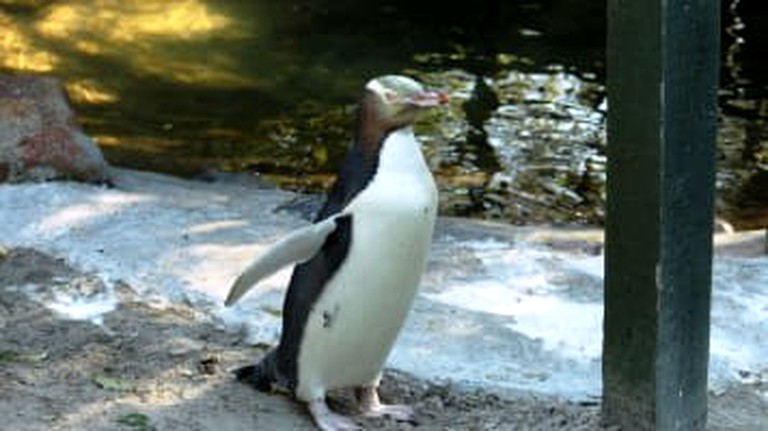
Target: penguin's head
397 100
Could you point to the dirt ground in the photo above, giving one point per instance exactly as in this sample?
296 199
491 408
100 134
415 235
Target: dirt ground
169 368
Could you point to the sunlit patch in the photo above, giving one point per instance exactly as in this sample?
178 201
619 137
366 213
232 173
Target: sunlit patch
88 47
151 36
19 53
78 308
107 140
72 216
132 20
220 70
526 284
90 91
213 270
215 226
146 145
160 390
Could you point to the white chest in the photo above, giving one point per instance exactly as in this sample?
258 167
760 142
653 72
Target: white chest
354 323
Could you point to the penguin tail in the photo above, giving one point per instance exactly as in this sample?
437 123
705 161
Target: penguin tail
262 376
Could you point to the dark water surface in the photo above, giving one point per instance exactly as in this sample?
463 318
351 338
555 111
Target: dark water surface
268 86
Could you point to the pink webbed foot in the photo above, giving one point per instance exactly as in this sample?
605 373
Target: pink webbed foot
371 406
327 420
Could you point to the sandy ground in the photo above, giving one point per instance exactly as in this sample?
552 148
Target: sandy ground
142 266
169 368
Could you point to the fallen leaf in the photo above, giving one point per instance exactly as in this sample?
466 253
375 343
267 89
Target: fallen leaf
138 421
112 384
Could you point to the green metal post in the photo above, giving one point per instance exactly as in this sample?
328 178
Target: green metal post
662 66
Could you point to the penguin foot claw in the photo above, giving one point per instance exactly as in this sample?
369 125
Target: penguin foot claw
327 420
372 406
398 412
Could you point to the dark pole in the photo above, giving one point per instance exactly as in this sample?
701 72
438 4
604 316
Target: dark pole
662 87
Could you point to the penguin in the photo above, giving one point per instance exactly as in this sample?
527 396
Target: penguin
357 266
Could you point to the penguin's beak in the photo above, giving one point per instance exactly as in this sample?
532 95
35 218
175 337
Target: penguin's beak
427 99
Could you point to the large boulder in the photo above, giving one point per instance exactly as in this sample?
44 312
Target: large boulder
39 139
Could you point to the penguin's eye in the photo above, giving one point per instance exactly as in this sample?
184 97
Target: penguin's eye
390 96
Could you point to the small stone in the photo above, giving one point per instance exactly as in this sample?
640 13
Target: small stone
208 365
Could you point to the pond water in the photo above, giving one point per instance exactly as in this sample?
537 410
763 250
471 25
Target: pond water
268 87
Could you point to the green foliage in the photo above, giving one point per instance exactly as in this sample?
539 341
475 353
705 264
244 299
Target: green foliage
135 421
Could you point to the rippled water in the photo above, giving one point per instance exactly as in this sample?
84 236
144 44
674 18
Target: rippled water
268 87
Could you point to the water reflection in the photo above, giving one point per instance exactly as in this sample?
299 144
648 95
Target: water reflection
189 85
734 26
743 138
546 131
